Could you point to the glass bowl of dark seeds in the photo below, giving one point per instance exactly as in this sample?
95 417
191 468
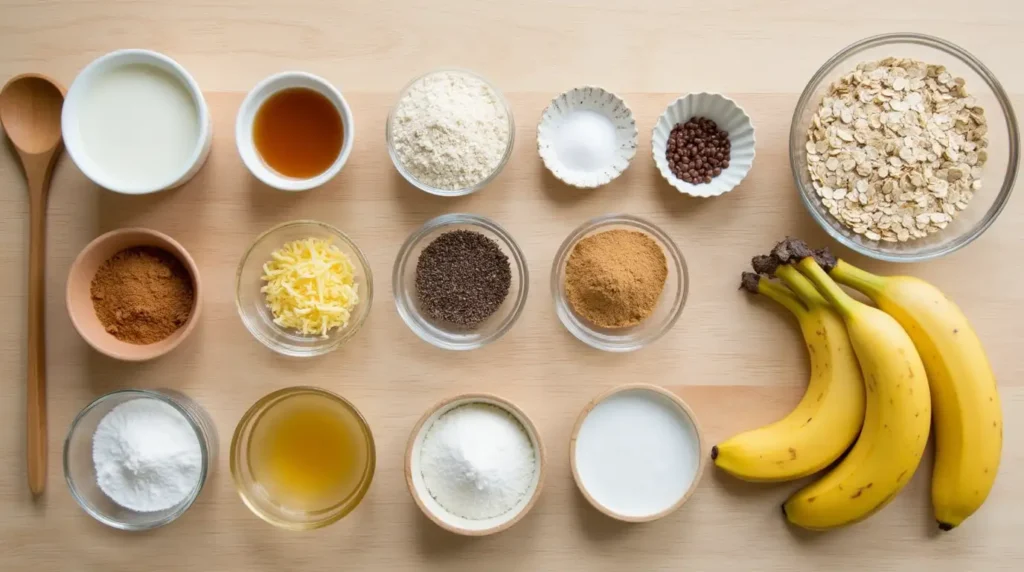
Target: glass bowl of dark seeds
460 281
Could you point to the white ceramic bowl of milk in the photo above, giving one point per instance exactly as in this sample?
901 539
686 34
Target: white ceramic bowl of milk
135 122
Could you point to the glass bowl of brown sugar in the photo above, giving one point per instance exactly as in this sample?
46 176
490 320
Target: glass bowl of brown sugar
619 283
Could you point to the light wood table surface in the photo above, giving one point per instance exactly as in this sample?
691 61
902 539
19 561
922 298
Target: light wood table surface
738 361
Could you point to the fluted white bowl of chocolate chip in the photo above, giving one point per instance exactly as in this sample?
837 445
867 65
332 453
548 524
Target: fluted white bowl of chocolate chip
703 144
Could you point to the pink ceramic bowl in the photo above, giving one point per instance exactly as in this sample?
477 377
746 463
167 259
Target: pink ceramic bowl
79 299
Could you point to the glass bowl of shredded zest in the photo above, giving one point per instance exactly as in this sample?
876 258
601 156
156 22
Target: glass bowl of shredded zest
138 459
450 133
652 322
303 288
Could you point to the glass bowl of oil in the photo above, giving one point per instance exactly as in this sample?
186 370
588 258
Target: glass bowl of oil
302 458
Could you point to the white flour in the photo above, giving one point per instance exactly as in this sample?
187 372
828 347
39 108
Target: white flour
450 130
477 461
147 455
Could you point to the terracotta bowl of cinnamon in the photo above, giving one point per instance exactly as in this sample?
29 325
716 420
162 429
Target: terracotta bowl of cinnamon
134 294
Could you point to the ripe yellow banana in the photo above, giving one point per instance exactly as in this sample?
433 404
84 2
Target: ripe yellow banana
828 418
896 420
967 415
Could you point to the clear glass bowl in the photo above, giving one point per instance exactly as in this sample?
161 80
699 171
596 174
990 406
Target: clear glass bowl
259 499
1000 170
444 335
80 471
252 306
669 307
423 186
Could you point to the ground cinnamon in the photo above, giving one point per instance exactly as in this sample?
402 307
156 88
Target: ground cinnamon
142 295
613 279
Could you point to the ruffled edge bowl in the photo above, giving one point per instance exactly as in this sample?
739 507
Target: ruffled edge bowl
594 99
730 117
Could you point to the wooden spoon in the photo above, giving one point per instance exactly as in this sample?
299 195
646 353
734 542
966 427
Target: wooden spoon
30 107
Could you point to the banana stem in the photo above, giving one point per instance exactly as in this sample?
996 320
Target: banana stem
801 286
839 299
782 295
858 279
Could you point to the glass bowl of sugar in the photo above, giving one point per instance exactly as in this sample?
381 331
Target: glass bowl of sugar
137 459
450 133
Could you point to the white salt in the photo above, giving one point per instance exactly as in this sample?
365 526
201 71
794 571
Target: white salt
585 140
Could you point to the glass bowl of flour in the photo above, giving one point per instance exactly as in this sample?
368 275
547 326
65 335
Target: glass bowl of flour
450 133
138 459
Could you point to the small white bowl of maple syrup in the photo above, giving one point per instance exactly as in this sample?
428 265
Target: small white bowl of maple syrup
294 131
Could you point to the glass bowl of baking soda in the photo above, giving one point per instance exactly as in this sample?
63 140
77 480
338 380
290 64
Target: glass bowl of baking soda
469 132
138 459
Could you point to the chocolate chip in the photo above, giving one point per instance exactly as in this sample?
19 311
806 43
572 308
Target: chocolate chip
698 150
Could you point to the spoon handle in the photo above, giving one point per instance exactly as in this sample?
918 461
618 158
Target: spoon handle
36 411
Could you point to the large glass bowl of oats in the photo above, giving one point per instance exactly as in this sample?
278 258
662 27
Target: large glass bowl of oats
904 147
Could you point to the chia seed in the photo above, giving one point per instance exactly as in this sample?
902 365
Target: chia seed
462 278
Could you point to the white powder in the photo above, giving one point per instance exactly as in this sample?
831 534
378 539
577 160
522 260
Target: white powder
450 130
585 141
147 455
477 461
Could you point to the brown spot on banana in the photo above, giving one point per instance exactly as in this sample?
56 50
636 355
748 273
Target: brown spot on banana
792 452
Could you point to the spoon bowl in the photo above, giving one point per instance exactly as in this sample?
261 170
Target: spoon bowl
30 107
30 112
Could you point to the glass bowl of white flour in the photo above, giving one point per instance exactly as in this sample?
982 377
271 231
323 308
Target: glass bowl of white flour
138 459
450 133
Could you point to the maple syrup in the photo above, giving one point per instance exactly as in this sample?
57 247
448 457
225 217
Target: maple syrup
298 132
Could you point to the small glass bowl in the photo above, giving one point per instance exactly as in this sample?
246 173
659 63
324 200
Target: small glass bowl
1000 171
252 306
80 471
258 498
444 335
669 307
423 186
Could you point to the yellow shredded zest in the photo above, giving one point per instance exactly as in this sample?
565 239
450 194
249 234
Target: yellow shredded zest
310 286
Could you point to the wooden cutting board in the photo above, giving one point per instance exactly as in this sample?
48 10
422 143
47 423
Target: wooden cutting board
736 359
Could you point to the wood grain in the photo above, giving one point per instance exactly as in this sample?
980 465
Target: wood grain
736 360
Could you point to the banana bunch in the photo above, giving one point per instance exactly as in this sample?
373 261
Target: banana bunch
915 350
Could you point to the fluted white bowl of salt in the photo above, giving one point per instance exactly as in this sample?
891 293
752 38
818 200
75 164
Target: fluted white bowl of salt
587 137
475 464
